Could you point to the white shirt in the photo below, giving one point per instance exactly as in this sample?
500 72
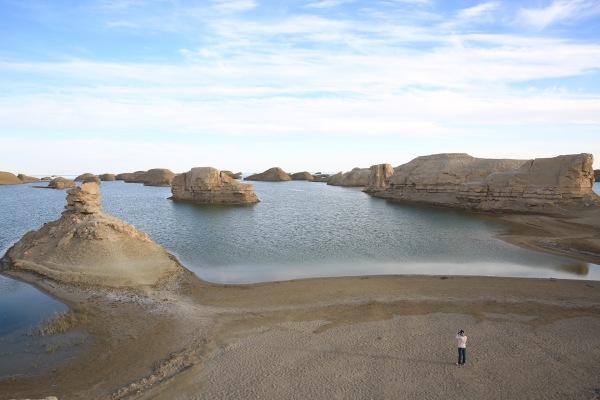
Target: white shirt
461 341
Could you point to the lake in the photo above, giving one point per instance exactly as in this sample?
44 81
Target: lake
298 230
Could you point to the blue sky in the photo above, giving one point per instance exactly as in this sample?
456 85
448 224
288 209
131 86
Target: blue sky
120 85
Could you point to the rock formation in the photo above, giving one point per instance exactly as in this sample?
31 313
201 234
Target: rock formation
320 177
206 185
379 177
6 178
355 178
597 175
236 175
274 174
158 177
46 179
27 179
132 177
542 185
107 177
86 246
61 183
87 177
302 176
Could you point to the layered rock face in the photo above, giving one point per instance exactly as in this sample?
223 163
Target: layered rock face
87 177
61 183
206 185
27 179
459 180
86 246
302 176
7 178
379 177
274 174
158 177
356 178
107 177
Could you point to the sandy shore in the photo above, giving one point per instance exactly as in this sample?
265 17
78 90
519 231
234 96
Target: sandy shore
338 338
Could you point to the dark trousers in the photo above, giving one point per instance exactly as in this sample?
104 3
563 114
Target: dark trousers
462 355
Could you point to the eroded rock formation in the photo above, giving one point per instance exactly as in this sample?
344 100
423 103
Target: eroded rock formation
597 175
356 178
207 185
234 175
274 174
87 177
27 179
541 185
379 177
158 177
302 176
61 183
7 178
86 246
107 177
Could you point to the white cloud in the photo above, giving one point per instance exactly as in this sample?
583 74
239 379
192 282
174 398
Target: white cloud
234 5
478 10
558 11
327 3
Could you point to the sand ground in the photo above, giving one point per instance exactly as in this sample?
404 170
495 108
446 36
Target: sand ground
340 338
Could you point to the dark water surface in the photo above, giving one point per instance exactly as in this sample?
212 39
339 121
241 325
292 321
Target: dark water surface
299 229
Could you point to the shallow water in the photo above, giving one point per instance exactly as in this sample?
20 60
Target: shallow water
299 229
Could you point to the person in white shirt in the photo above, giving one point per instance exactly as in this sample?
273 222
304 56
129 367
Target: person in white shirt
461 343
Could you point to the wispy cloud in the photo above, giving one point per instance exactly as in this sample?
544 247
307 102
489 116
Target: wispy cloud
558 11
327 3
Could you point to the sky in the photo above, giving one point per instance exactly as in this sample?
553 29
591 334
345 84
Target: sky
317 85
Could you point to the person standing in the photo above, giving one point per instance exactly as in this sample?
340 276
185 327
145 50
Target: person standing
461 343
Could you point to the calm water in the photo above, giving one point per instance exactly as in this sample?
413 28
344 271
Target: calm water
299 229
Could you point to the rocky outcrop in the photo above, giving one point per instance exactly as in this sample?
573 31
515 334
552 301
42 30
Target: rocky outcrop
7 178
597 175
132 177
542 185
107 177
302 176
274 174
158 177
47 179
236 175
356 178
206 185
379 177
319 177
27 179
86 246
87 177
61 183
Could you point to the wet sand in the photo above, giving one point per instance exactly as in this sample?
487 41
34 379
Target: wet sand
338 338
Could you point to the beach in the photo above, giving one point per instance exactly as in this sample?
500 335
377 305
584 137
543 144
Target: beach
363 337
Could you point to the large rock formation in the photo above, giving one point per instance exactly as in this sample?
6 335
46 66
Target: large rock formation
356 178
274 174
597 175
541 185
7 178
158 177
86 246
61 183
27 179
208 185
379 177
107 177
302 176
87 177
236 175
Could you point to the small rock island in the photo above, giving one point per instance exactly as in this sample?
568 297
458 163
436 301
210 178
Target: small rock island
274 174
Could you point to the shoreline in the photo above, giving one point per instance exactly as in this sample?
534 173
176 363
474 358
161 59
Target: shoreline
151 345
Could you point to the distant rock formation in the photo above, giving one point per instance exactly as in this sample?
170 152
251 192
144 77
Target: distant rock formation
274 174
86 246
302 176
47 179
107 177
158 177
597 175
61 183
236 175
356 178
27 179
379 177
320 177
7 178
86 176
541 185
207 185
132 177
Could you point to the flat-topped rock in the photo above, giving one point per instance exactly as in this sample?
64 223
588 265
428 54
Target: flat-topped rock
302 176
207 185
542 185
7 178
274 174
357 177
27 179
61 183
158 177
107 177
87 177
86 246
